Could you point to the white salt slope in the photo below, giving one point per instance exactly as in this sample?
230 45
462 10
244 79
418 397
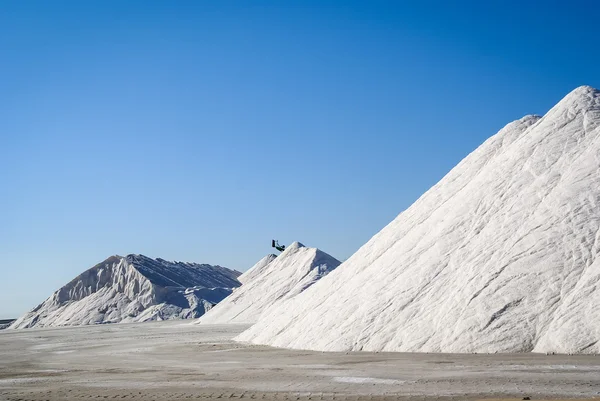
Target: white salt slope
257 269
134 289
271 284
500 255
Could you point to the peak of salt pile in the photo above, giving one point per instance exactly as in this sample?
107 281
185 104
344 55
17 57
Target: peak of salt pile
134 288
272 281
501 255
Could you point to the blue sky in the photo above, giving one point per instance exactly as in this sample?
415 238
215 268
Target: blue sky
198 130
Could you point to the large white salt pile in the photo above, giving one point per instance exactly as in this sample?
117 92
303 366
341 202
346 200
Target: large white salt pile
500 255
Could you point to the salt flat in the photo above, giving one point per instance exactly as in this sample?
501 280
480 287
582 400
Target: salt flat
178 360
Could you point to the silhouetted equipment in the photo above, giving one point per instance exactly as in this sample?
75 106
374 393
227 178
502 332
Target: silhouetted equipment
275 244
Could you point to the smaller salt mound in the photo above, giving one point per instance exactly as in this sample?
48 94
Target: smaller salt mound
272 281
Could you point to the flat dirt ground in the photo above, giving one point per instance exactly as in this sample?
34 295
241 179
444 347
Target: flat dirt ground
178 360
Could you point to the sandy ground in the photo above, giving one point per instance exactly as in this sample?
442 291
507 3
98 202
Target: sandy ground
176 360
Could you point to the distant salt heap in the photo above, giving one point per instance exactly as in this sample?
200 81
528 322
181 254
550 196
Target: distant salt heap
500 256
271 282
134 289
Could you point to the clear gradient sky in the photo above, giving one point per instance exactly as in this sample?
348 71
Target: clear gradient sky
199 130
